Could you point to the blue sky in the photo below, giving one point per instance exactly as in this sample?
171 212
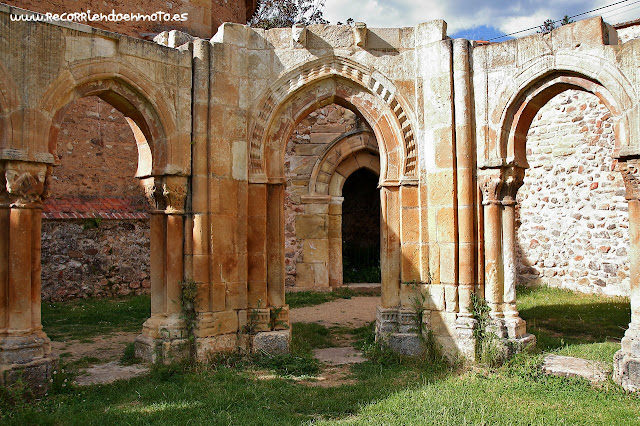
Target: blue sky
475 19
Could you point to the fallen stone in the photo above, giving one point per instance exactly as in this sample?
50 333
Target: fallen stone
339 356
109 373
568 366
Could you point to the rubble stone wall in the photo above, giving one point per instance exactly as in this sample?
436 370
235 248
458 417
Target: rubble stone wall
98 159
573 222
82 260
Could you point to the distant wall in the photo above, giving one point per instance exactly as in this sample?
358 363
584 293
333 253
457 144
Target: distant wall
573 222
80 260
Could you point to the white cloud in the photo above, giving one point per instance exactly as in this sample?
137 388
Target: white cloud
505 15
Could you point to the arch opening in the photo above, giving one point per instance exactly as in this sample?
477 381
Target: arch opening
95 228
361 228
571 217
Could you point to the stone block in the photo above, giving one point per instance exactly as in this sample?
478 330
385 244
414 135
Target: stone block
315 250
311 226
236 295
272 342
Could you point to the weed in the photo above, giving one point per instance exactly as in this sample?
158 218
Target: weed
17 395
274 322
129 355
488 351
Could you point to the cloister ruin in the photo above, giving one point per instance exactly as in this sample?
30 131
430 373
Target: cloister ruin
444 125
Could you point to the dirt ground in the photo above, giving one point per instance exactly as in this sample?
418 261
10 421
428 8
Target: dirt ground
352 313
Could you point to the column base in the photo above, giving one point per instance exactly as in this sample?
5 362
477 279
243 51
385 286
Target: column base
626 362
163 340
27 358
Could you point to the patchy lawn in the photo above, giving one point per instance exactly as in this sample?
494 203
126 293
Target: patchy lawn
384 390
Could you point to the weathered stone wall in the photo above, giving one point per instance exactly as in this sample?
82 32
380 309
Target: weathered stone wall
204 17
97 152
98 160
628 33
573 230
80 260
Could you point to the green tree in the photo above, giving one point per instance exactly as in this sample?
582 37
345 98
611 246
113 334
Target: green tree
549 25
285 13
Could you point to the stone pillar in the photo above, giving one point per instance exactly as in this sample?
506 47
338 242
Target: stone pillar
275 245
163 335
465 169
335 242
626 365
512 182
390 249
312 230
491 183
25 350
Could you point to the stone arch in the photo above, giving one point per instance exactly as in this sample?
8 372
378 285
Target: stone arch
130 93
359 146
332 170
540 81
325 81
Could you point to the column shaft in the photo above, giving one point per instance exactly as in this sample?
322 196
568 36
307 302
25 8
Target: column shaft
20 239
493 259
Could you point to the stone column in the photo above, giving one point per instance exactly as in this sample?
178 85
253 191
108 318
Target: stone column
513 180
627 360
390 249
162 336
491 184
275 245
335 242
25 350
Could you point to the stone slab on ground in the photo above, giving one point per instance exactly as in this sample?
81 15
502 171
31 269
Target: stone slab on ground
354 312
109 372
339 356
568 366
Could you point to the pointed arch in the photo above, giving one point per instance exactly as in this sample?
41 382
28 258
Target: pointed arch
325 81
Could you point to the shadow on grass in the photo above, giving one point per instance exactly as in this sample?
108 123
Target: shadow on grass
576 324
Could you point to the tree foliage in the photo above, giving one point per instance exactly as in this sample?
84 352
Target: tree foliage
285 13
549 25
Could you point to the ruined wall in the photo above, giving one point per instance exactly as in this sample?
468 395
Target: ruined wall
204 17
573 230
310 139
83 260
97 152
97 163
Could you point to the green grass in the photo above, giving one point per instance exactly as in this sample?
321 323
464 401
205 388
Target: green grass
301 299
574 324
88 318
388 390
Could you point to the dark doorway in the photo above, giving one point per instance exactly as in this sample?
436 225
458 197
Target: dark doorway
361 228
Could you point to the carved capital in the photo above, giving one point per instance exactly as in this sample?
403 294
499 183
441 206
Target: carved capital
166 193
154 193
490 185
513 178
25 183
630 171
174 190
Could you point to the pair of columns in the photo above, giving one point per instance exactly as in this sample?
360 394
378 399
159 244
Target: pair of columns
499 187
25 350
